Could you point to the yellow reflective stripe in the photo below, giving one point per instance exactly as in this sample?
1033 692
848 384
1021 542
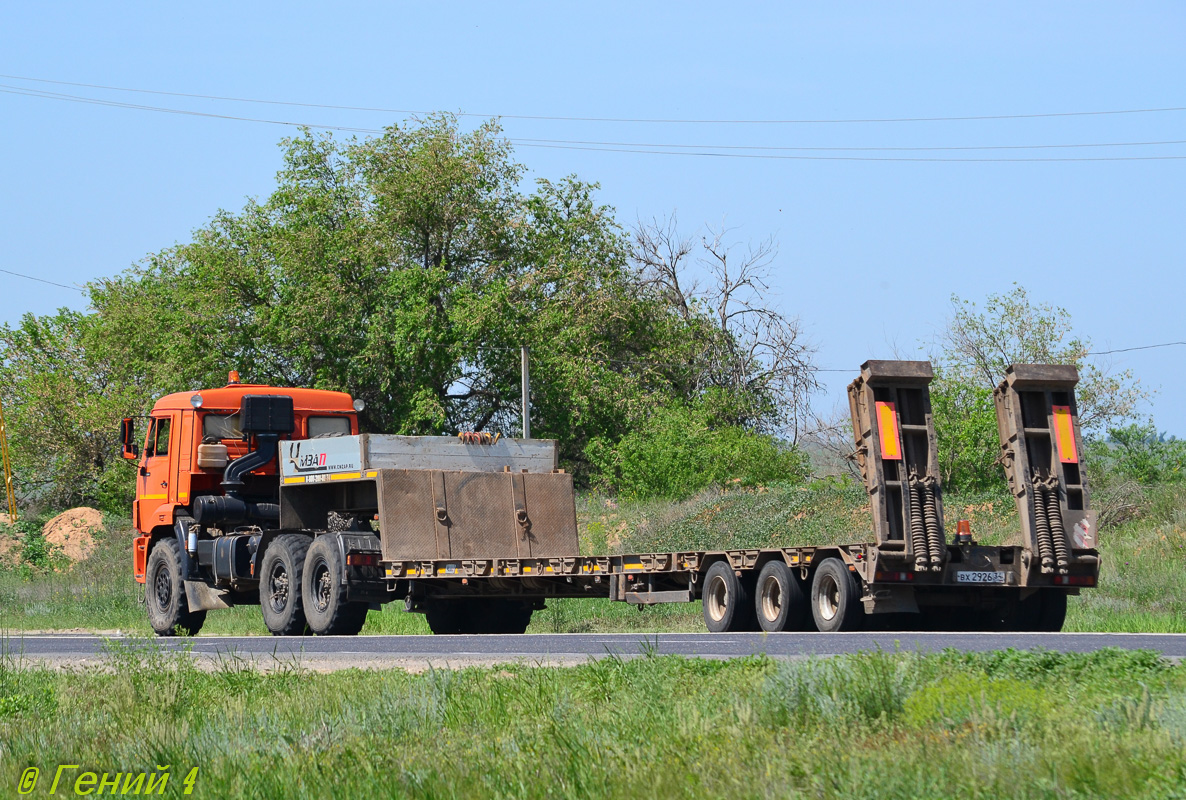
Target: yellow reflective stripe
345 476
298 479
154 496
887 424
372 474
1064 432
632 566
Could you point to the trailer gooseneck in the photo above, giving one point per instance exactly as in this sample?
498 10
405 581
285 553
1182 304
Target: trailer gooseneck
270 496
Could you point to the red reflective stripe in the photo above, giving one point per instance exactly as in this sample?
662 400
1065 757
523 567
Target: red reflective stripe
887 427
1064 433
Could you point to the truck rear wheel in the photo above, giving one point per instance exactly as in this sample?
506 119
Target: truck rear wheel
280 584
323 592
779 600
835 598
727 604
164 593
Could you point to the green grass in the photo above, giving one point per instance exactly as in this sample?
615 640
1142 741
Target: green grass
1142 587
874 725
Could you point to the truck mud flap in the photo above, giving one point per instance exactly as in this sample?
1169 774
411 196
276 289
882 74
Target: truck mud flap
203 598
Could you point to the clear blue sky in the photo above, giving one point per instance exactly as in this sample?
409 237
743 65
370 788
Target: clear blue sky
869 251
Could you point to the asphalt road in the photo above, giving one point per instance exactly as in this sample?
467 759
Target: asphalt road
337 652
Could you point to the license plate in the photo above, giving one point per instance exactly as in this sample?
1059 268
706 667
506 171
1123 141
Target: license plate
979 576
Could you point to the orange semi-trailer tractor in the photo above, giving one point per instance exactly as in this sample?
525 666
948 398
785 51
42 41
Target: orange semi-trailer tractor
271 497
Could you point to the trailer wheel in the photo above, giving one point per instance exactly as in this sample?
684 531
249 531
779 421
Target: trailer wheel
502 615
835 598
164 593
1044 611
444 616
323 592
1054 611
779 600
280 584
727 604
478 615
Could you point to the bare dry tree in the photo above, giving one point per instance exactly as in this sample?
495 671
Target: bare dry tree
754 349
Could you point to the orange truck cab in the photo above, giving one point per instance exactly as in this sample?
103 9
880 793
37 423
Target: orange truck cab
199 455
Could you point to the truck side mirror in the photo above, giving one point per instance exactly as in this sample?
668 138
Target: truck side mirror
127 434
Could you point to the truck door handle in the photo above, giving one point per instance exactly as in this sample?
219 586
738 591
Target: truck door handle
164 484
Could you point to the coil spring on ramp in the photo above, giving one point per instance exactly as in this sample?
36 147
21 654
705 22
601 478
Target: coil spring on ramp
1051 534
926 533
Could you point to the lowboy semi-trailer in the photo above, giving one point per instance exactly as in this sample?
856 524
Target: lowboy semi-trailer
270 496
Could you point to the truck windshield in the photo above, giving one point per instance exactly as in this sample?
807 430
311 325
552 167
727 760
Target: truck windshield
221 427
320 426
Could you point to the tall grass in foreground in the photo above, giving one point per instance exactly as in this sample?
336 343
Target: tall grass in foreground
873 725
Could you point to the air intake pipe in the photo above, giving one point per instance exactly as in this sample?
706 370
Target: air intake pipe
267 417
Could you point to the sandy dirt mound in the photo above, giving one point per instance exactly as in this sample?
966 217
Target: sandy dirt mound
74 531
10 550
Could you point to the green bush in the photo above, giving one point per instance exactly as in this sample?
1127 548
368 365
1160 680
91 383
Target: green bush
36 553
1137 453
966 429
681 449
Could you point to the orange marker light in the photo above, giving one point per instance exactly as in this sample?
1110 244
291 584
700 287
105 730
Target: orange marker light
1064 433
887 425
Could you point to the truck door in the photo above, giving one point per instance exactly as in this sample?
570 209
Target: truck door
153 489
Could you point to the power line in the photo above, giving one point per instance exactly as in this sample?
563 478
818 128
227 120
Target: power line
7 89
43 280
1131 349
851 149
559 118
777 157
641 149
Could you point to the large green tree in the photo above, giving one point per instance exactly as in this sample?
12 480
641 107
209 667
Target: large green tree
407 269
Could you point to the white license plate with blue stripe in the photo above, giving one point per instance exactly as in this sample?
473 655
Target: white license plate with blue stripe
979 576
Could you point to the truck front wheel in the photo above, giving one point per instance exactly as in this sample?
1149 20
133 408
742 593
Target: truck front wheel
835 598
164 593
323 592
280 584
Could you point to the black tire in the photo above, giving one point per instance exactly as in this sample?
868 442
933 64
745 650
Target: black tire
478 615
835 598
1053 610
504 615
323 592
280 575
164 593
1044 611
779 601
726 599
444 616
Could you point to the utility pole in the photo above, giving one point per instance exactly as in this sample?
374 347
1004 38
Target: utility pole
8 491
526 394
